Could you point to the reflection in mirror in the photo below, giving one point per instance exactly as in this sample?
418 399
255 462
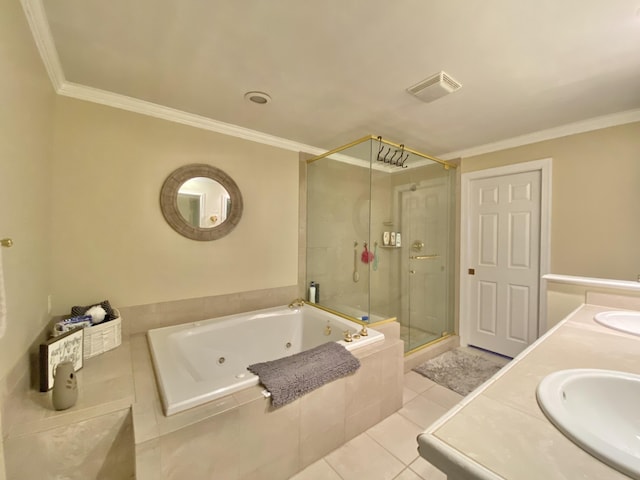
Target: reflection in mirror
203 202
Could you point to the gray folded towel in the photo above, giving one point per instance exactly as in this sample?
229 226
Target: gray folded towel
291 377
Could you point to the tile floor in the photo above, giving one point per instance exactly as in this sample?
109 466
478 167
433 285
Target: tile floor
388 450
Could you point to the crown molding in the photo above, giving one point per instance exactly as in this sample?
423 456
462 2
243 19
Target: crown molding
596 123
116 100
39 25
143 107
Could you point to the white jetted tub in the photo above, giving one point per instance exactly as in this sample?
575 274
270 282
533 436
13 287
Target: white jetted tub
201 361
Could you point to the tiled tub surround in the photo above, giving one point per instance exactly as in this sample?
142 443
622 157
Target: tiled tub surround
499 431
202 361
238 435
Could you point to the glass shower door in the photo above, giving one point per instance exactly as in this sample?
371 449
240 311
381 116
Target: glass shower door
425 256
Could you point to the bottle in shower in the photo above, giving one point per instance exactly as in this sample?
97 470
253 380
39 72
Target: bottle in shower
312 292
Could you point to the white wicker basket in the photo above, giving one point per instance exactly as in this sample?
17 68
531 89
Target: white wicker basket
103 337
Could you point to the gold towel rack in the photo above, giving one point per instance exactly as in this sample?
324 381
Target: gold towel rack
6 242
423 257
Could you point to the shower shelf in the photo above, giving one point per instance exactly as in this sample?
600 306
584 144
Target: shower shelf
391 247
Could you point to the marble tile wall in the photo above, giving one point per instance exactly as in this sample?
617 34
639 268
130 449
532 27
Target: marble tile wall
253 440
96 448
338 216
302 225
145 317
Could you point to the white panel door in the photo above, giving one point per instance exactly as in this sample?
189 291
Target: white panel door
504 261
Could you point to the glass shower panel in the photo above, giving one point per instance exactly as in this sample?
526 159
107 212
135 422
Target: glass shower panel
385 290
338 219
414 280
425 212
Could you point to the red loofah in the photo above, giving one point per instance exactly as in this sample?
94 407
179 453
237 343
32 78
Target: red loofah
367 256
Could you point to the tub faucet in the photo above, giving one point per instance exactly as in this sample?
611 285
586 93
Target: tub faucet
298 302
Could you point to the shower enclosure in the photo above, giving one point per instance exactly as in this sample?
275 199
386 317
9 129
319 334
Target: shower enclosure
380 237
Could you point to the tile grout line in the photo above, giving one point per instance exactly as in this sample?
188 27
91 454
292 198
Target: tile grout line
406 466
331 467
404 470
391 453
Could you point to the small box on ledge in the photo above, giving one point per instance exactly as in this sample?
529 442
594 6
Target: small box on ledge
104 332
103 337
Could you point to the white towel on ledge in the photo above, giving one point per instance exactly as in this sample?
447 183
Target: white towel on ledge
3 301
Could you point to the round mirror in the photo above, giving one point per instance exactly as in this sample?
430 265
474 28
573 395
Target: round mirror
201 202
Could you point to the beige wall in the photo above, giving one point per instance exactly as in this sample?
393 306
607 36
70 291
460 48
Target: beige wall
110 239
595 197
26 109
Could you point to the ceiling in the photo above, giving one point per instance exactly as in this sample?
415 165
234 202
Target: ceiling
337 70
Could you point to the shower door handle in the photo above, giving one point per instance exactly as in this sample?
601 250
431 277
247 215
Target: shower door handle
423 257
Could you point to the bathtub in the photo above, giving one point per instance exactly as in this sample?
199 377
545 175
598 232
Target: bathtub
201 361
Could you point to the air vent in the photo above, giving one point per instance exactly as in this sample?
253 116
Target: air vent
434 87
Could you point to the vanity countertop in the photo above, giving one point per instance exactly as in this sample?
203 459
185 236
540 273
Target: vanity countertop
500 432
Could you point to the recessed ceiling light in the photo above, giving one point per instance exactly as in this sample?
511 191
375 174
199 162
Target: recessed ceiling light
257 97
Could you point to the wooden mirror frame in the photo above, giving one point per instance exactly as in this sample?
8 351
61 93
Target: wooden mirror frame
169 202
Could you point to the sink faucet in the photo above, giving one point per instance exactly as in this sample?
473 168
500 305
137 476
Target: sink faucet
298 302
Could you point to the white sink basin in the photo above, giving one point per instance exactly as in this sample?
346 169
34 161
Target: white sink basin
599 410
620 320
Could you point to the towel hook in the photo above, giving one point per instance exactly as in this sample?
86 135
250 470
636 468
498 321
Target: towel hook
386 155
402 164
380 148
397 162
6 242
402 161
